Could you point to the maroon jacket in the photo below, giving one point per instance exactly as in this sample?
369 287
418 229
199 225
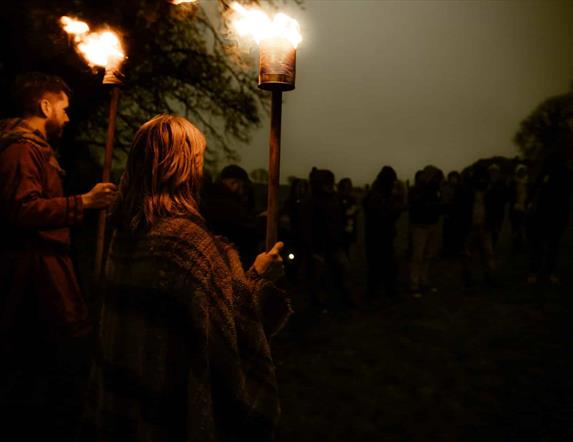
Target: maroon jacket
39 293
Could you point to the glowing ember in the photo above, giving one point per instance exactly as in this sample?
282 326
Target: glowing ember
98 48
258 25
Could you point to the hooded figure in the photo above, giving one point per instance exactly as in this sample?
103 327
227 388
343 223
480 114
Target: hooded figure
36 219
44 323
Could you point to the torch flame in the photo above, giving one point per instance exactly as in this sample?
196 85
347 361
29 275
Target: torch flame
258 25
74 27
98 48
101 48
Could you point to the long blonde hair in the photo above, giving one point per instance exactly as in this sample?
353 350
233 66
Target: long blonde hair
163 173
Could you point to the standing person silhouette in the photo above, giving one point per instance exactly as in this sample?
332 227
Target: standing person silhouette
382 207
185 331
44 325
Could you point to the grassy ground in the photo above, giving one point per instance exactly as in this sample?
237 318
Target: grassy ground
459 365
472 365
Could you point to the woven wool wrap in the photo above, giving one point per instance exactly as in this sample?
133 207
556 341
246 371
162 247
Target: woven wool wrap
185 340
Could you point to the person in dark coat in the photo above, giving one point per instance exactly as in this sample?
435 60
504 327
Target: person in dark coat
44 325
383 205
518 198
225 206
350 210
479 223
324 237
498 196
548 217
425 212
452 198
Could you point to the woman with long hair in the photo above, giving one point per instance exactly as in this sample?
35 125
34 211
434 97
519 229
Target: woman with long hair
185 331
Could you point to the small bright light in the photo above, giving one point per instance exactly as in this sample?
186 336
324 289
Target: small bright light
291 256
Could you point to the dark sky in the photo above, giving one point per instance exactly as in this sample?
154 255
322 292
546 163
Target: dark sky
408 83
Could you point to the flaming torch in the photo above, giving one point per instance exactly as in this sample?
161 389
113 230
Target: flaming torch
277 40
100 49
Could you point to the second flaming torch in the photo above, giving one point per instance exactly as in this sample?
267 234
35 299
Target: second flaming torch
100 49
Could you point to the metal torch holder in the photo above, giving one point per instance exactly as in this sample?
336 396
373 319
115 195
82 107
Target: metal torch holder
277 69
277 65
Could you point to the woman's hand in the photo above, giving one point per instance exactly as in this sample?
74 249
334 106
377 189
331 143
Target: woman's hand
269 265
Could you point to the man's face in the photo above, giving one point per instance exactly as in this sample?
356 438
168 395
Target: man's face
56 114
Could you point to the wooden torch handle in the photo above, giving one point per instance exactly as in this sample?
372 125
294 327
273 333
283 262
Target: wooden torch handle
106 175
274 169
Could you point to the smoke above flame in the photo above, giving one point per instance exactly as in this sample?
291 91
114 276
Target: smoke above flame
98 48
255 23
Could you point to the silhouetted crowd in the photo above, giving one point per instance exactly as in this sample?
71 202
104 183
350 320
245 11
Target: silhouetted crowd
458 217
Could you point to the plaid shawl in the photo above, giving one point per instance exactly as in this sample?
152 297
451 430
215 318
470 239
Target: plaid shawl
185 340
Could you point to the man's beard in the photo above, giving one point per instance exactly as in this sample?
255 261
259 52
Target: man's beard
54 130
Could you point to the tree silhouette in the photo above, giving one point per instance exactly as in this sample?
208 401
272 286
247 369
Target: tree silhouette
179 61
549 128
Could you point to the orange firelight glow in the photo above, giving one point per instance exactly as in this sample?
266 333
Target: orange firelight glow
98 48
256 24
180 2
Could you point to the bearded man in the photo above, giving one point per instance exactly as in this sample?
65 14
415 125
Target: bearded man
44 325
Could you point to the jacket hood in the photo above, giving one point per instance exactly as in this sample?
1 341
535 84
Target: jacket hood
16 130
